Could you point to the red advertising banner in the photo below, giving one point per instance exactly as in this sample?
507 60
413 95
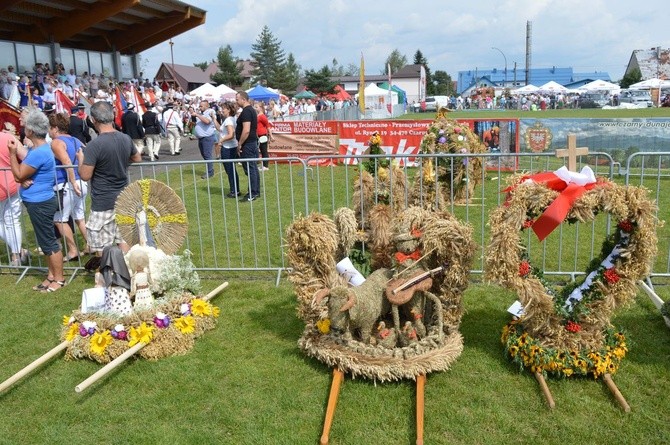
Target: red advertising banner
398 137
303 139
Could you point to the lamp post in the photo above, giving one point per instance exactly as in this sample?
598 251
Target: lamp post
171 43
503 54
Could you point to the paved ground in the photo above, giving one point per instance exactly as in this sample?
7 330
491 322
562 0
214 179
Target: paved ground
189 152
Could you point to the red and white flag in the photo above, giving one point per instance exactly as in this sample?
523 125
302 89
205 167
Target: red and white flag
63 103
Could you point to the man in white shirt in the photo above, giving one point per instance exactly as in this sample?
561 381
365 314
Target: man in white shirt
174 127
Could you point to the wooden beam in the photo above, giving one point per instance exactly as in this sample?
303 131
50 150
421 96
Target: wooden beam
147 29
85 19
8 4
160 37
572 152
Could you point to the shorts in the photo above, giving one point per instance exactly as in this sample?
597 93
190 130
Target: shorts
73 205
41 216
101 230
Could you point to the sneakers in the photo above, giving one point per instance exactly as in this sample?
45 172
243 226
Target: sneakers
249 198
264 169
233 195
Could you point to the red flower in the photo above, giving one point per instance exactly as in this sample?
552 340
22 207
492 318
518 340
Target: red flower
626 226
611 276
524 268
528 223
573 327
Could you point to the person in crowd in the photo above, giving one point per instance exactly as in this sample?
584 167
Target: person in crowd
78 127
264 133
173 127
152 131
229 147
10 204
205 131
24 91
105 164
39 169
132 126
68 183
247 139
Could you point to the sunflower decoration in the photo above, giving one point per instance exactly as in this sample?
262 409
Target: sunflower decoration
166 220
460 174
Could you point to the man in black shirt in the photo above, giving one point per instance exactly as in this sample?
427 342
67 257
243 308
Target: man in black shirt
245 132
78 126
152 131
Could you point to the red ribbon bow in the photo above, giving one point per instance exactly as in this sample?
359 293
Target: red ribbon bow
402 257
554 215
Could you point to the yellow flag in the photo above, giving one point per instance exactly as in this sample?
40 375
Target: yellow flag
361 87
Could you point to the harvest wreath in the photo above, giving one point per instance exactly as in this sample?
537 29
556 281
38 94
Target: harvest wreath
568 332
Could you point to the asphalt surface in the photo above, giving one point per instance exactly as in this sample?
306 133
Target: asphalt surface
189 152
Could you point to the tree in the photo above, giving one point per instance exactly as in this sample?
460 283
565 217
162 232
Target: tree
396 60
419 59
442 84
268 57
352 70
319 82
337 70
634 76
202 65
229 72
288 76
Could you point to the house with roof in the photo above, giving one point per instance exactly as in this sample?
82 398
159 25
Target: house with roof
653 63
188 77
468 80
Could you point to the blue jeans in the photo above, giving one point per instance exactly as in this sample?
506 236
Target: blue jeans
231 171
206 146
250 151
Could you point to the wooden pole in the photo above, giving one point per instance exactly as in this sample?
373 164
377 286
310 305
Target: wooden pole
109 366
545 389
615 391
420 385
28 369
132 351
338 376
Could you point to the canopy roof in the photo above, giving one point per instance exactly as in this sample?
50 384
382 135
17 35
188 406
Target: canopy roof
339 94
530 88
552 87
127 26
305 94
600 85
206 90
651 83
259 92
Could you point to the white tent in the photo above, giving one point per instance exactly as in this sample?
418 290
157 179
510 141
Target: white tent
206 91
552 87
650 83
601 85
376 97
225 92
526 89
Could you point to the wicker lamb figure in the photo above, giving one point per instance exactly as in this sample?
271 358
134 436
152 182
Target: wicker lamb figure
140 283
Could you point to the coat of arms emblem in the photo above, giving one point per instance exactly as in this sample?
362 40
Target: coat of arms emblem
538 138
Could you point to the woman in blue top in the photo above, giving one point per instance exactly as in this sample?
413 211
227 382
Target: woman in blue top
37 174
74 190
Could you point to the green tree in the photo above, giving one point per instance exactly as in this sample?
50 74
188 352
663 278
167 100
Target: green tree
202 65
320 82
352 70
337 70
396 60
630 78
442 84
229 72
419 59
268 57
288 76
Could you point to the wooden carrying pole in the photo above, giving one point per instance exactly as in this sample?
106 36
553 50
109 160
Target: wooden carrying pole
130 352
420 385
545 389
615 391
338 376
34 365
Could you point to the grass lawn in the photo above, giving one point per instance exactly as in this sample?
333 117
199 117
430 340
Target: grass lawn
246 382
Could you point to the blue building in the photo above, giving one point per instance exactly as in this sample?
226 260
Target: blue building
517 78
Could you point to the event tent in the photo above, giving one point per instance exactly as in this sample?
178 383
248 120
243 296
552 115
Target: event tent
225 92
206 91
402 95
305 94
600 85
552 87
340 94
650 83
376 97
526 89
259 92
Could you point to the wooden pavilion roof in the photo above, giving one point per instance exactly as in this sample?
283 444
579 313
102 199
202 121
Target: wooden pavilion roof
127 26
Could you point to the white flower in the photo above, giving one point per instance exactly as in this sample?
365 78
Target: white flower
119 328
72 320
90 324
461 137
160 315
185 308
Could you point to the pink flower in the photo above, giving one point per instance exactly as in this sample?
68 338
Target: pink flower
524 268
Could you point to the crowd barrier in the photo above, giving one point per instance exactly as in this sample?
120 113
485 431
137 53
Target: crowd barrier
226 234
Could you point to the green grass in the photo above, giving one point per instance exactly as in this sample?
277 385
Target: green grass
246 382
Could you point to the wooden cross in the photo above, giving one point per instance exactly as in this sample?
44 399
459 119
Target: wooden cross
572 152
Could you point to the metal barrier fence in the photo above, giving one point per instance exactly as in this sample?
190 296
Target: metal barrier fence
226 234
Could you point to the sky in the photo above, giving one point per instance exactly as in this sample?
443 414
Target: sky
589 36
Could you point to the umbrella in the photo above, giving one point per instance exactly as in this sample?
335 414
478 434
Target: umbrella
305 94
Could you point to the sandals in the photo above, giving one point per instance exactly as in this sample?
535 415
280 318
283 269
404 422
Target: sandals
42 286
49 289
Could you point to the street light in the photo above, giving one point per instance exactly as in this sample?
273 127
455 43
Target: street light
503 54
171 43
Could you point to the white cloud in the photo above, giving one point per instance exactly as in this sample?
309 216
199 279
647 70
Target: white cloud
595 35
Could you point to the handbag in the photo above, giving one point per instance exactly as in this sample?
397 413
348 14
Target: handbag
60 195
